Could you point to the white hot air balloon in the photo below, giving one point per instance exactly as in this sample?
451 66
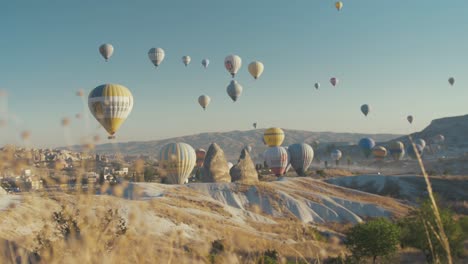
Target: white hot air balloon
234 90
186 60
106 51
156 55
204 101
256 69
232 63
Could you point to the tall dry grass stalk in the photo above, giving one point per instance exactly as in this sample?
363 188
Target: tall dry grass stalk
443 236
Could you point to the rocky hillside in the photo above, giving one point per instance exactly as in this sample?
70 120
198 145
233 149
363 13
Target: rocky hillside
233 142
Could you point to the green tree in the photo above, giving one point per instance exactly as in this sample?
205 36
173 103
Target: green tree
149 174
420 224
378 237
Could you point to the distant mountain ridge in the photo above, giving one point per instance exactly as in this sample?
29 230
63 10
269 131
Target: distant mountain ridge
232 142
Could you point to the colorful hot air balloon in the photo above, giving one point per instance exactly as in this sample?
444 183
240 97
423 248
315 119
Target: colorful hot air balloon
186 60
317 85
336 155
334 81
366 145
204 101
365 108
410 119
200 154
451 80
234 90
106 51
110 104
205 63
273 136
256 69
232 64
178 161
420 142
339 5
277 159
411 153
379 152
301 156
397 150
156 55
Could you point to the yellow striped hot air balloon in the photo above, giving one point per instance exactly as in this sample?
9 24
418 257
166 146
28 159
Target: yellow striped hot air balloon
178 161
273 136
379 152
339 5
110 104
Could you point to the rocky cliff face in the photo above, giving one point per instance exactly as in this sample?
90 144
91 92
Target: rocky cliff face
244 171
215 167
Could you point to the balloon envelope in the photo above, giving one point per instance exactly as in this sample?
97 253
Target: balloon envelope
234 90
205 63
106 51
277 159
411 152
365 109
334 81
397 150
420 142
451 80
256 69
232 63
204 101
186 60
110 104
178 161
339 5
200 154
379 152
366 145
301 156
273 136
336 155
410 119
317 85
156 55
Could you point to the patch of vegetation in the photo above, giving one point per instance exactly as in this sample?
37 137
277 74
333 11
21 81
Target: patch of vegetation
420 224
376 238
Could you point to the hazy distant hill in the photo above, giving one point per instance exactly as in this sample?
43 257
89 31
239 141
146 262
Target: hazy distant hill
233 142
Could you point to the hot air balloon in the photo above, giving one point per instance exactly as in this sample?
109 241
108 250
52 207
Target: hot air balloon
301 156
256 69
420 142
106 51
178 161
204 101
186 60
411 153
156 55
273 136
255 125
317 85
379 152
397 150
230 165
439 139
336 155
232 64
200 154
339 5
234 90
410 119
366 145
334 81
110 104
277 159
205 63
365 109
451 80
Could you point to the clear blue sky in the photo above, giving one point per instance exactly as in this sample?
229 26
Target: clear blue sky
394 55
